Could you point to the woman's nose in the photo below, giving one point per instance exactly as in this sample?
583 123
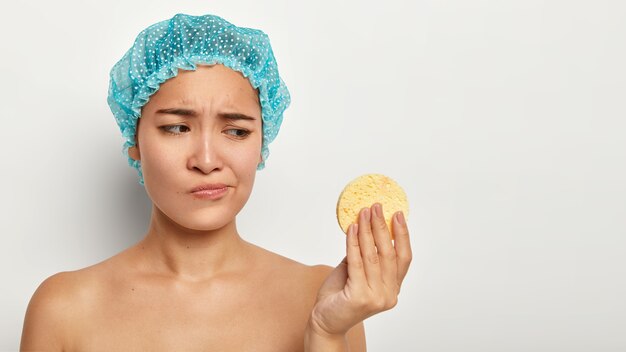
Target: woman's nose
206 155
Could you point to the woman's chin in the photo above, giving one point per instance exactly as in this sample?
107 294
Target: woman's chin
199 219
204 220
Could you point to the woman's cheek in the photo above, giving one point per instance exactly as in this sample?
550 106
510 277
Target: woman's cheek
162 162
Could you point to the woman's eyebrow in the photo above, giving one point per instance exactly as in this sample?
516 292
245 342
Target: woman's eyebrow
178 111
193 113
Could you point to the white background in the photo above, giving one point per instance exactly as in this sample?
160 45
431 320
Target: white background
503 121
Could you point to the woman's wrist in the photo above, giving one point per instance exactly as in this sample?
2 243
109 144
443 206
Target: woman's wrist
316 340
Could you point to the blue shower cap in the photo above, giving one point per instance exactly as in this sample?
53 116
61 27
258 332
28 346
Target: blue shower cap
182 42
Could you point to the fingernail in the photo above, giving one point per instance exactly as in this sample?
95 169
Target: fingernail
378 210
355 228
365 214
401 218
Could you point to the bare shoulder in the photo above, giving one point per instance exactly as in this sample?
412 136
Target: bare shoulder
310 276
321 270
51 312
57 307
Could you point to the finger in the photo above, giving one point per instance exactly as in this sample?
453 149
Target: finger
371 261
402 245
356 273
386 252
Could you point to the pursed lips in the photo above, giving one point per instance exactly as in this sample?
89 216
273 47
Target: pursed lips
209 187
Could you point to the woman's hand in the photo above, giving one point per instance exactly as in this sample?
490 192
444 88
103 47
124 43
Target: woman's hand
368 279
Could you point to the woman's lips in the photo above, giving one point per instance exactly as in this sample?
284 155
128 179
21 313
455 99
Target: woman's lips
210 193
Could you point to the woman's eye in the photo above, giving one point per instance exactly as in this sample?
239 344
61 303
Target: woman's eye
169 129
238 133
235 132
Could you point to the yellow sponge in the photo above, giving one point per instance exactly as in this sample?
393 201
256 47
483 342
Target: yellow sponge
366 190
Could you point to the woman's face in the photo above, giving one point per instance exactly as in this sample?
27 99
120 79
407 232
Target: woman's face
200 127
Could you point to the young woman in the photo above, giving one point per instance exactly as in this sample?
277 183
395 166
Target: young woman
193 283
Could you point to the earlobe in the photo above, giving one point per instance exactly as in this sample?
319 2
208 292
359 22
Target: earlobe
133 152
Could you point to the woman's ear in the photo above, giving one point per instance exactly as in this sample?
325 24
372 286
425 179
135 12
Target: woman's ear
133 152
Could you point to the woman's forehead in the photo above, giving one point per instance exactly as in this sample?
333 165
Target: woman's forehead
217 83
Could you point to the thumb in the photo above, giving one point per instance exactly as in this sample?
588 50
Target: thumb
336 280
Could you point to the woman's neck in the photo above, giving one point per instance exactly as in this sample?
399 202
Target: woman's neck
191 255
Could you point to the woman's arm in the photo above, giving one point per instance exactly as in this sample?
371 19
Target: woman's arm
353 340
356 338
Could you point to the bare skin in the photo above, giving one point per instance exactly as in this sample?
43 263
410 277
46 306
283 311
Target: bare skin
262 303
192 283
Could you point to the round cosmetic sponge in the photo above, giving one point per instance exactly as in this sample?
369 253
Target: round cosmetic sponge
366 190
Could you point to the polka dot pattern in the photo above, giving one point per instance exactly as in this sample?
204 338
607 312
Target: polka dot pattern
183 42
